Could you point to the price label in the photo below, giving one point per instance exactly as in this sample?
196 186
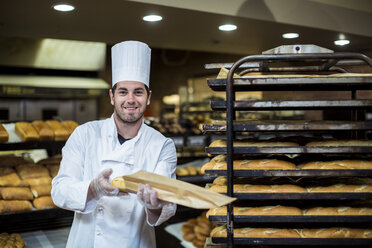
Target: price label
196 141
178 141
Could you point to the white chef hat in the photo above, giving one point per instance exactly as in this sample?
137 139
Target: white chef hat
131 62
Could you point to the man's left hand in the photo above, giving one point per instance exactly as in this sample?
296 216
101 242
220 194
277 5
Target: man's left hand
148 197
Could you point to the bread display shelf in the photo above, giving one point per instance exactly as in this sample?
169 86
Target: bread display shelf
296 241
8 146
293 104
303 196
285 125
283 83
35 220
294 219
291 149
293 173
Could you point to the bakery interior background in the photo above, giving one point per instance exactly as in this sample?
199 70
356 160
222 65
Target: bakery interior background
36 40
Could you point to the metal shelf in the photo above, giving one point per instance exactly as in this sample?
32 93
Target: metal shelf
298 83
297 241
303 196
261 105
285 125
293 173
55 145
291 150
294 219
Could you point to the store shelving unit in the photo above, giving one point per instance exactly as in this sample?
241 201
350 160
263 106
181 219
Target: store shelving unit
297 81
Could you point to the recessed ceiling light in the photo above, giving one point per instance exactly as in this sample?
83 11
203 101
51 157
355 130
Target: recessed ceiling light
227 27
152 18
64 7
341 42
290 35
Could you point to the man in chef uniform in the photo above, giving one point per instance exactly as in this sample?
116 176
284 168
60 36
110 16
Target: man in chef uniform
99 151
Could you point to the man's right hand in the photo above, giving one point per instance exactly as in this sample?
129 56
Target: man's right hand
100 186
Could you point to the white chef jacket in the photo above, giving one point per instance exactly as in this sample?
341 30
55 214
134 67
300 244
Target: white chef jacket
112 221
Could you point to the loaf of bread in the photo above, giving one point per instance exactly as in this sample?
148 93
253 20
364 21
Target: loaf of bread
220 163
70 125
8 177
342 188
335 232
340 143
41 190
14 206
43 202
53 170
337 211
249 188
247 232
222 143
60 132
256 211
4 136
43 129
32 171
11 161
337 165
55 160
37 181
13 240
16 193
197 230
26 131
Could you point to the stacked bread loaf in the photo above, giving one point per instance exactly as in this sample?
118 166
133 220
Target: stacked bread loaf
25 185
40 130
197 230
189 171
13 240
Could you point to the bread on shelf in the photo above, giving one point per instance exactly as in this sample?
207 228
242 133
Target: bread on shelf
257 211
60 132
37 181
44 130
13 240
220 163
26 131
8 177
340 143
43 202
32 171
4 136
16 193
70 125
337 165
222 143
247 232
335 232
41 190
14 206
250 188
341 188
342 211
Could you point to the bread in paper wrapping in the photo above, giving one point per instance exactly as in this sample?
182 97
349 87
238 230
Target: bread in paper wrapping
172 190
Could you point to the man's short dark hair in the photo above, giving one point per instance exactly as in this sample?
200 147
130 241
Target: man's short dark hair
114 88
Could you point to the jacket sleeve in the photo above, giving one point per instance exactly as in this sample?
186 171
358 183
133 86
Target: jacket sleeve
166 166
69 190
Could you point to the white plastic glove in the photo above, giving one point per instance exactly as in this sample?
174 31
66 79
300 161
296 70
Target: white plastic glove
149 198
100 186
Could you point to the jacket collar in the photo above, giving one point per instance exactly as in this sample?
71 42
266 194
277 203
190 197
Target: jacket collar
123 153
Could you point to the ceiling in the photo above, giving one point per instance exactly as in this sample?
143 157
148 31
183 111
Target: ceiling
193 24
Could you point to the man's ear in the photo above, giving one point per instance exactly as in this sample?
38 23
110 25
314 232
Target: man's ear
111 97
149 97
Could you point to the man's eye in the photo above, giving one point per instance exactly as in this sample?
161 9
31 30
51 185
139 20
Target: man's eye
139 92
122 92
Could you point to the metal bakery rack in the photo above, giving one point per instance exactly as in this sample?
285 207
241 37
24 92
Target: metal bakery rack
326 75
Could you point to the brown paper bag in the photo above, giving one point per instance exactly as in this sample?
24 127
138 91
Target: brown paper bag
172 190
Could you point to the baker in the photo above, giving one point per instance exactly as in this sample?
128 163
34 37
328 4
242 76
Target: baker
99 151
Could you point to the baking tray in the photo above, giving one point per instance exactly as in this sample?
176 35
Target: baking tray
294 219
291 149
261 105
286 125
303 196
293 173
294 83
296 241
